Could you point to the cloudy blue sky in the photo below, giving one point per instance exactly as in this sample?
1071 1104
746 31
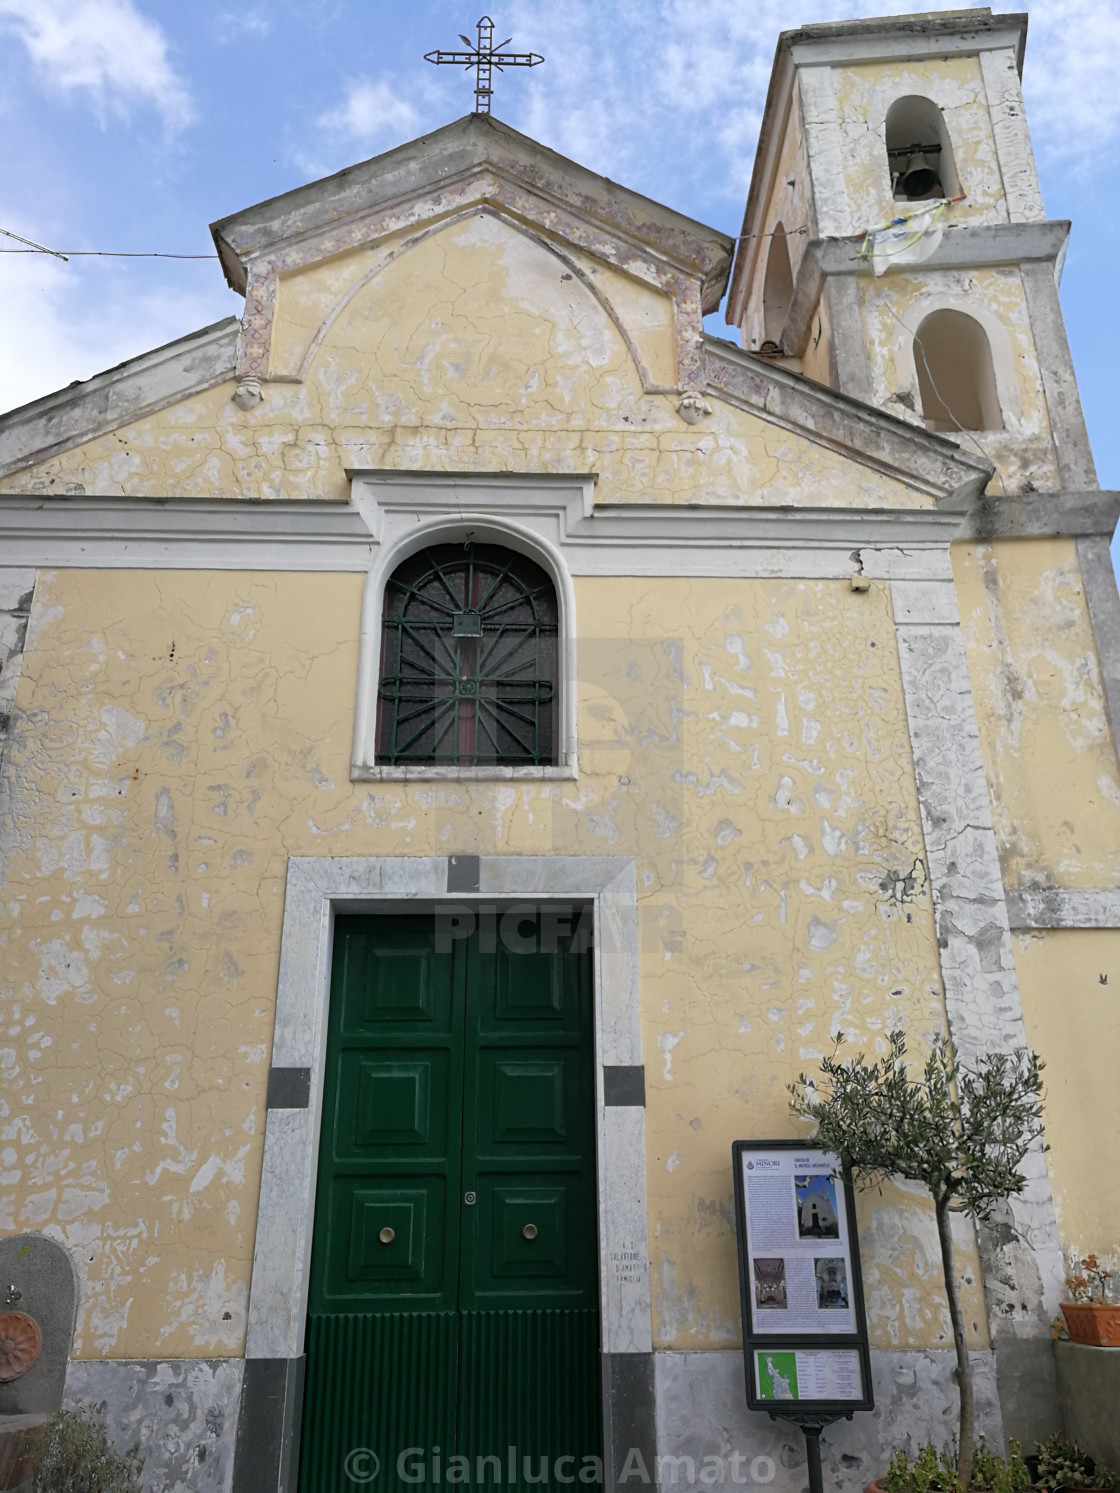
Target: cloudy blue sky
132 124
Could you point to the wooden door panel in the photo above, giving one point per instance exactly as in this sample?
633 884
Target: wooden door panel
527 1099
405 984
396 1109
387 1246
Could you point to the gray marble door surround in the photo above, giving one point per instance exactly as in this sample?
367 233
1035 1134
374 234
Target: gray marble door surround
320 888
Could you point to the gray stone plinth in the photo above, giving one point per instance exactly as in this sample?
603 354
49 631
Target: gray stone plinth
181 1412
1089 1385
702 1414
43 1273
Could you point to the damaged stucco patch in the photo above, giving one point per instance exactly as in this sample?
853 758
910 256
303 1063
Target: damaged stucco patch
16 590
1048 753
791 843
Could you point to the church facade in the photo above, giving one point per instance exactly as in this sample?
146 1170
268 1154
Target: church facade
471 739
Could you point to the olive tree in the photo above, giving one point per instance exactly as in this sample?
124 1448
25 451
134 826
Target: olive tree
960 1130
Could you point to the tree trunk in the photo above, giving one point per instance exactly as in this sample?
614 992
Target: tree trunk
960 1342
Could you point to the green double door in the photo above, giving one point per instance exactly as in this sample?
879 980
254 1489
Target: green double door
453 1325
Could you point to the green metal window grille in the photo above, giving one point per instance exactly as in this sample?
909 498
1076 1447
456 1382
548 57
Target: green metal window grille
468 660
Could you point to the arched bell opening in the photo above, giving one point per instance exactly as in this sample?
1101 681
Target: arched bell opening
919 151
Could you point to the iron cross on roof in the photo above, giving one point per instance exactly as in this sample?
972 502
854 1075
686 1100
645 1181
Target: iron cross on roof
483 56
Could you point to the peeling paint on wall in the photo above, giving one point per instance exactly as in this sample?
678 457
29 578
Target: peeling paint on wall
208 739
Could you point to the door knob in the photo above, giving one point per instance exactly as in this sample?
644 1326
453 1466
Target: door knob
529 1231
469 1199
387 1235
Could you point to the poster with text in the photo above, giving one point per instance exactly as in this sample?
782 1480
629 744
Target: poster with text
808 1374
798 1254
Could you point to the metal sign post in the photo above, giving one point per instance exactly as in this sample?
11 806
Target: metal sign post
804 1328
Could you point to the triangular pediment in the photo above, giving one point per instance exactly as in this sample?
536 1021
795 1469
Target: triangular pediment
472 301
464 163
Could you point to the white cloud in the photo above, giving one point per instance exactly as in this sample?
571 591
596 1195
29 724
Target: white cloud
232 25
69 321
103 49
371 112
1069 79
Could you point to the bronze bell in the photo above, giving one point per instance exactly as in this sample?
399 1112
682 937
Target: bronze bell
919 176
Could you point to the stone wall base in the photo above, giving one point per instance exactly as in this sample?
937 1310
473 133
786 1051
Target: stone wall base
702 1413
1089 1385
181 1411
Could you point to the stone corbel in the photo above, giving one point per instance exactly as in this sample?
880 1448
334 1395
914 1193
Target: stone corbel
692 406
248 393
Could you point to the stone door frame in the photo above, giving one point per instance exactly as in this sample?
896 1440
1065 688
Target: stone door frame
318 889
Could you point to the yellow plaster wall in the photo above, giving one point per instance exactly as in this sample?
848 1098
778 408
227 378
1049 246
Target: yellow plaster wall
475 350
816 356
310 298
1048 751
1070 985
864 93
745 740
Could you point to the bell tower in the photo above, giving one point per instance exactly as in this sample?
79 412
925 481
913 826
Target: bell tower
870 121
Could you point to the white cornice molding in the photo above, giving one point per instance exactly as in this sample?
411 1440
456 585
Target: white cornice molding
432 164
908 39
596 539
91 533
1063 907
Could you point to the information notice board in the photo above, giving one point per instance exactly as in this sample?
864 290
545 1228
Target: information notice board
804 1330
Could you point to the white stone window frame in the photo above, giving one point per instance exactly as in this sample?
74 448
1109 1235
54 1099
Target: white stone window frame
318 889
408 513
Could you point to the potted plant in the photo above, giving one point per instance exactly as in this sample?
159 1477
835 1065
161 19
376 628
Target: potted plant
932 1471
72 1454
1060 1463
1090 1317
960 1131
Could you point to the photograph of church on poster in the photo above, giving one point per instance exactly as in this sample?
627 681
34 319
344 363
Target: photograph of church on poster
816 1208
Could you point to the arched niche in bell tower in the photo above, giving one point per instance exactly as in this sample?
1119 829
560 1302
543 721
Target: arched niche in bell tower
777 287
956 375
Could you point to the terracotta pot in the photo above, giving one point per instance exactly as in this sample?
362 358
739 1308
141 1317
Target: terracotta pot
1093 1322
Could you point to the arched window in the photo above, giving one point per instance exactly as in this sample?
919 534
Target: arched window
468 660
956 377
919 151
777 288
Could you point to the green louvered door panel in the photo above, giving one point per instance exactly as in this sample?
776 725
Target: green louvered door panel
375 1381
453 1300
530 1387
